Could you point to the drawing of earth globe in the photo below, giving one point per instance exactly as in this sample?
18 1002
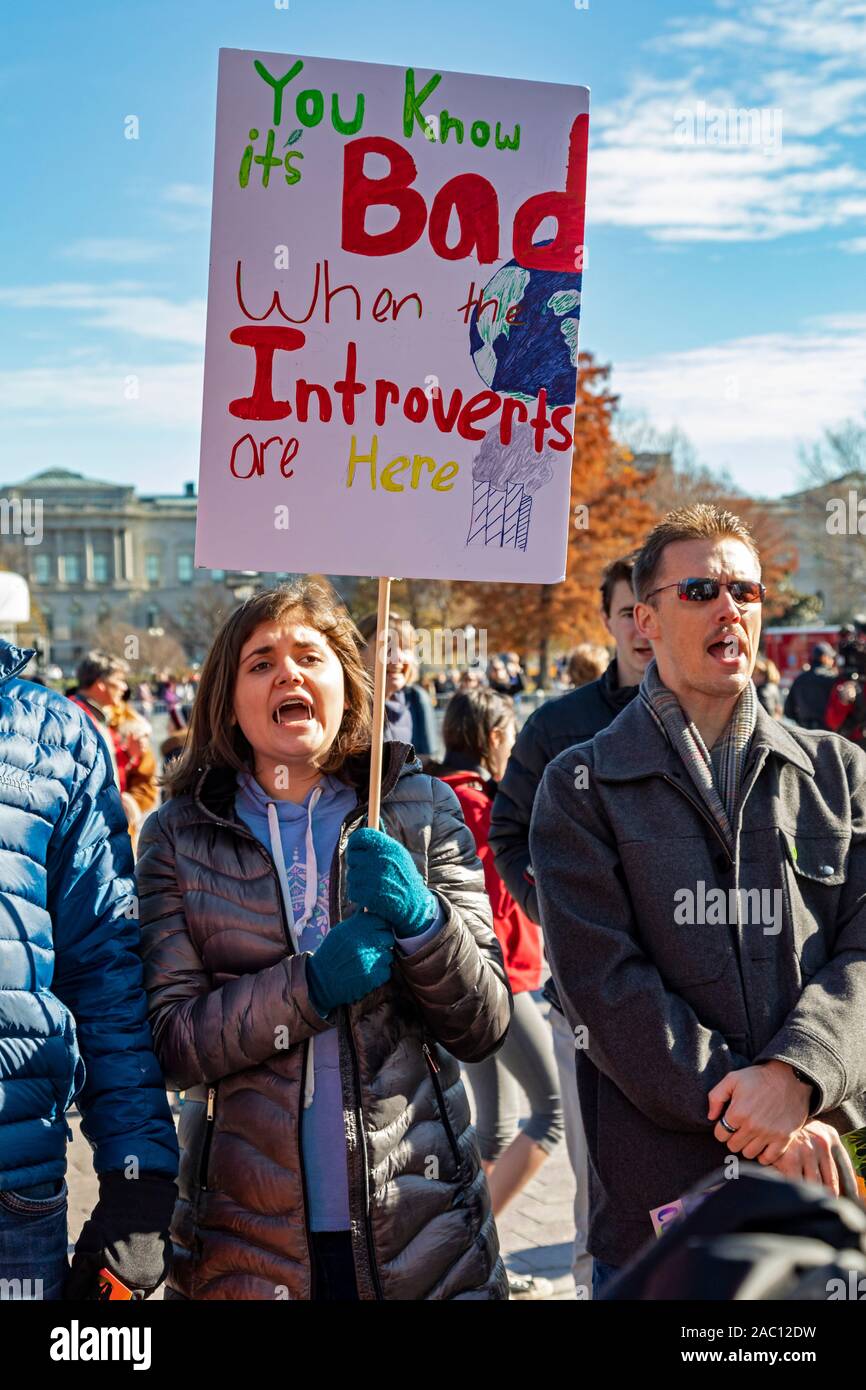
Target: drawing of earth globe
518 358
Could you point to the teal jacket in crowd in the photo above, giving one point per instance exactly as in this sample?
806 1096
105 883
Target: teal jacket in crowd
73 1021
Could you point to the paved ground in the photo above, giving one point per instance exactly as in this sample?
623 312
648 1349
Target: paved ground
535 1232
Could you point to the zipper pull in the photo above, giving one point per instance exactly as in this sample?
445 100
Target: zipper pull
211 1095
433 1064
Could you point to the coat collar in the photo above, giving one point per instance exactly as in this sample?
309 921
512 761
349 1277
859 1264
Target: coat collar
466 779
13 659
614 694
633 746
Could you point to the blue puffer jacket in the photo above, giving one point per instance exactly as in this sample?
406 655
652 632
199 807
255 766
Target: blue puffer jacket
73 1020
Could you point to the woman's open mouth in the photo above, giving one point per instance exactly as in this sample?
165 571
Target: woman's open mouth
293 710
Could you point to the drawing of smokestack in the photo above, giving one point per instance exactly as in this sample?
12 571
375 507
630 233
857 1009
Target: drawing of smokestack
504 477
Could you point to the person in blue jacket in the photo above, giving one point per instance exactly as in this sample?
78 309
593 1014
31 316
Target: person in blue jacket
73 1019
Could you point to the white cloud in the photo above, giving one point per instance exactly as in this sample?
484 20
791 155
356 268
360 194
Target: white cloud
146 396
752 399
641 174
123 306
185 207
708 33
800 65
188 195
115 250
856 246
818 28
843 323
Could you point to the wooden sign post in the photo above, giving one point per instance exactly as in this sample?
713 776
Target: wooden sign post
380 674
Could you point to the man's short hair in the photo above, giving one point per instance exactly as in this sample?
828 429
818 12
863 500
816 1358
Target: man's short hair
587 662
698 522
611 575
96 666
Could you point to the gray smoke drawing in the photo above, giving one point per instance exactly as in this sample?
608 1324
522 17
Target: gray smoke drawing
504 477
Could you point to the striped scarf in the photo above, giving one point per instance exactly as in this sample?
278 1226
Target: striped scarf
719 788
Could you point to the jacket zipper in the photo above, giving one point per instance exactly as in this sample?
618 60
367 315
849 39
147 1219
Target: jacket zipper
305 1200
701 812
362 1142
208 1137
754 767
434 1069
750 775
335 898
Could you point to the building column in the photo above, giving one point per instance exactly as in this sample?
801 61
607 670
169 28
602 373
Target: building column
128 555
118 555
88 557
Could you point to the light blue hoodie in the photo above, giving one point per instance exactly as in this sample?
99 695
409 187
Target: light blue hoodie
298 835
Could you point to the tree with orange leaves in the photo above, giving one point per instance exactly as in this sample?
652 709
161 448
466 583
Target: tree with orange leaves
610 516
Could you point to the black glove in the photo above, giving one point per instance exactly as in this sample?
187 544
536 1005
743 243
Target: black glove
127 1234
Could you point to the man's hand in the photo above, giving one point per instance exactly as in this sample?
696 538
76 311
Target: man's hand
764 1105
815 1154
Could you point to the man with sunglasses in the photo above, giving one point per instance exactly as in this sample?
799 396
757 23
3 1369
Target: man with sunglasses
701 875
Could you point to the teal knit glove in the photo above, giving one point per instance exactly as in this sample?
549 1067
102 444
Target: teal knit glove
354 959
382 877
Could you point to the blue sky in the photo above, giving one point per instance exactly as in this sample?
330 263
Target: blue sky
725 279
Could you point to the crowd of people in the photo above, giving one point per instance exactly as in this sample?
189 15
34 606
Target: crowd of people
529 916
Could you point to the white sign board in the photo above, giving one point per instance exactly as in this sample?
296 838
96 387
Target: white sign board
14 598
393 305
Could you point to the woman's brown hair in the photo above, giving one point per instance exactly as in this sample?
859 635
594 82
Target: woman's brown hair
214 740
470 718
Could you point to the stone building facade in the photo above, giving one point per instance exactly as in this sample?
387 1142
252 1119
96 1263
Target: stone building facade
827 525
101 553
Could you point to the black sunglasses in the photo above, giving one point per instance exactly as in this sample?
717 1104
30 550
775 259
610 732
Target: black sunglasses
742 591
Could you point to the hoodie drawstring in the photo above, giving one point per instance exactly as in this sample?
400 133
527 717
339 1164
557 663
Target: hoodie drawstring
311 885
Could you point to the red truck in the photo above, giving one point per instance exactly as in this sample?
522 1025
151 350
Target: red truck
791 647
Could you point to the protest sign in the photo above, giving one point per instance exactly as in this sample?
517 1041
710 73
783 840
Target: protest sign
393 304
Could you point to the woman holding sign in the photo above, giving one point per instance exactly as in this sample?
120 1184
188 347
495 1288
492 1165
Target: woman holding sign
312 981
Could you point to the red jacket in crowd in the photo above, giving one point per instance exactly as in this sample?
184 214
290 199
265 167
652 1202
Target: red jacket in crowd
117 752
516 933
